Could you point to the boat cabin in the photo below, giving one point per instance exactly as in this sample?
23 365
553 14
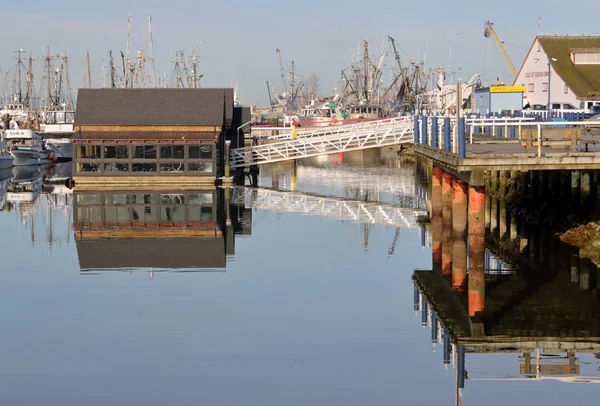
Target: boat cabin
150 136
365 112
22 138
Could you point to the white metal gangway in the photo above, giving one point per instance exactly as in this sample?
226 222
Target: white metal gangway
333 208
329 140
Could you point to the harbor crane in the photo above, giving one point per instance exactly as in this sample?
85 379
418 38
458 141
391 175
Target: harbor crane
490 32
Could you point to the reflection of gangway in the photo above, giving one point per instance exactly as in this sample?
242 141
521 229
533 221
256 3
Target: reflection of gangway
334 208
325 141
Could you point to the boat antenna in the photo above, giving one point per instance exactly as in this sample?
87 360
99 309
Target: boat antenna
151 49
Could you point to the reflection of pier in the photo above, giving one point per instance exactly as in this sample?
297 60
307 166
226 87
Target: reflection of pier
542 305
338 209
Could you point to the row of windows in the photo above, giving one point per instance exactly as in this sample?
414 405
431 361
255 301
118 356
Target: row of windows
204 151
531 88
145 214
163 167
144 198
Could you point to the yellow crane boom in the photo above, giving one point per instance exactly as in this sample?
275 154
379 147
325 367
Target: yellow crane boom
488 32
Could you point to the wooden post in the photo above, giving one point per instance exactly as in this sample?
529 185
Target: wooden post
447 197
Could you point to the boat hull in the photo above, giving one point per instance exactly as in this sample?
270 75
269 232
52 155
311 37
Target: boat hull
61 148
29 157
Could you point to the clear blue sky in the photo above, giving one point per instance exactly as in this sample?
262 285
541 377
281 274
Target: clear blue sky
236 40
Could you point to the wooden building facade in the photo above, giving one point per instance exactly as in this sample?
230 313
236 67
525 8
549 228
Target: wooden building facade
151 136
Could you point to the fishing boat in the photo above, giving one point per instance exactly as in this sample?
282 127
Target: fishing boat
57 130
27 148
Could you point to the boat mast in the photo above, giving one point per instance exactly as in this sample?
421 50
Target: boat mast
19 83
89 71
69 106
48 78
112 69
128 52
151 49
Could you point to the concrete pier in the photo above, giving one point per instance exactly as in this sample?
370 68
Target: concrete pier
447 197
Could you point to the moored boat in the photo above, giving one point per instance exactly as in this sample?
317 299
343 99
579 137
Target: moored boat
6 159
27 148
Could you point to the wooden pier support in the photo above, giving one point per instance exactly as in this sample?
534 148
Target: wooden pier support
447 196
502 219
459 235
476 242
436 218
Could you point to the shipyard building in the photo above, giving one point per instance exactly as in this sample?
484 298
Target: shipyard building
566 66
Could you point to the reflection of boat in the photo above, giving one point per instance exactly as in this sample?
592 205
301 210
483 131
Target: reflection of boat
26 147
6 159
5 177
26 185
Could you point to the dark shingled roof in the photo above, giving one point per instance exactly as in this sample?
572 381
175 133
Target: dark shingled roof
581 79
174 253
146 135
160 107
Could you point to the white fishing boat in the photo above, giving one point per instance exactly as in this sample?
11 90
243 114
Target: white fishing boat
27 148
6 159
57 131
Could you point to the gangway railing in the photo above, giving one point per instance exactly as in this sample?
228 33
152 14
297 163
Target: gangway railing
325 141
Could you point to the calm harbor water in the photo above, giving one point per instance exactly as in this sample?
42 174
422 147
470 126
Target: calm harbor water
306 291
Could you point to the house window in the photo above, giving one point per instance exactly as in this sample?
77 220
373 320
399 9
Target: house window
88 167
531 88
481 99
206 167
200 151
566 89
139 167
113 167
539 47
89 151
116 152
545 87
144 152
172 167
172 151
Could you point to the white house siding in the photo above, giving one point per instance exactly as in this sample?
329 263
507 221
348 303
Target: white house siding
535 71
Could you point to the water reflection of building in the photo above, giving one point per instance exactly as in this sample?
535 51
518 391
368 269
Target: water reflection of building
156 230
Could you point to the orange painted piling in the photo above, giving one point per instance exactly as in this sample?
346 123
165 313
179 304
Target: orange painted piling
436 218
476 241
459 235
447 197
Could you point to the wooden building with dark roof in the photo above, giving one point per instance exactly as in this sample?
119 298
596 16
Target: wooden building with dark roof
151 136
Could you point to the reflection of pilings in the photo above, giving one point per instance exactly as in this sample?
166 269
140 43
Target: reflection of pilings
575 185
417 297
447 349
460 366
476 251
436 218
424 311
459 235
447 196
434 329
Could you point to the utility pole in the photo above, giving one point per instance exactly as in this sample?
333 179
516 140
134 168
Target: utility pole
89 71
151 49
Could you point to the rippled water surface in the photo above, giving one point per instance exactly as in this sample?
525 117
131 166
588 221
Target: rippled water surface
300 292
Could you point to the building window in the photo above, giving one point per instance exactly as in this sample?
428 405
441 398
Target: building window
141 167
144 152
114 167
566 89
531 88
200 151
116 152
545 87
89 151
539 46
88 167
206 167
172 151
172 167
481 99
